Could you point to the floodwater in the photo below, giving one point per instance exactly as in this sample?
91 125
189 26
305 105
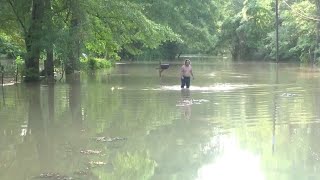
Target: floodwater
238 121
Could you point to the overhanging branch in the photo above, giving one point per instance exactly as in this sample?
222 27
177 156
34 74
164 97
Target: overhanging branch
18 17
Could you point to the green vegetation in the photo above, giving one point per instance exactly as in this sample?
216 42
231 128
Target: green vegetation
60 30
94 63
20 70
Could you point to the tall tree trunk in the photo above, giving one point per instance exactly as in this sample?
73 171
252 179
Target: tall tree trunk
71 65
49 66
236 49
49 62
316 49
74 51
33 41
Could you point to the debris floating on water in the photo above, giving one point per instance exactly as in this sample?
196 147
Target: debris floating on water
288 95
108 139
94 164
88 152
56 176
81 173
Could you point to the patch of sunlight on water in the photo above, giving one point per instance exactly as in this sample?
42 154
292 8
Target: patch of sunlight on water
235 163
116 88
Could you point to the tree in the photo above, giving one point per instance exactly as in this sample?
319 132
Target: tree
49 38
298 32
245 26
194 21
33 38
111 31
317 47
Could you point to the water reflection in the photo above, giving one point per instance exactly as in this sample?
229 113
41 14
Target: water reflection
37 128
75 99
222 129
3 97
275 108
233 163
186 103
211 88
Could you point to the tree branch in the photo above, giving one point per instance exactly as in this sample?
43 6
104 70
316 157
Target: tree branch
18 17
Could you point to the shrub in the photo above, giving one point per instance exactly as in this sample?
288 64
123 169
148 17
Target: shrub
94 63
20 67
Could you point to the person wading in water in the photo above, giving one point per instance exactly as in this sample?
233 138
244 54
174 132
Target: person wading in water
186 73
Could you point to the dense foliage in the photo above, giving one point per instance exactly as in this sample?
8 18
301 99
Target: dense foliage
62 30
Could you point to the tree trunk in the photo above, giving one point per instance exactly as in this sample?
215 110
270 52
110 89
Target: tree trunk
73 62
171 49
33 42
49 66
236 48
49 62
74 51
316 49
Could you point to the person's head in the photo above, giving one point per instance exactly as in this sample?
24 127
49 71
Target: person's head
187 62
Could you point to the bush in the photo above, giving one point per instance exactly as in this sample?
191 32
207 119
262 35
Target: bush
95 63
20 67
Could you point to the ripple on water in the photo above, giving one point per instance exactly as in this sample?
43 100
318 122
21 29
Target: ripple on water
188 102
216 87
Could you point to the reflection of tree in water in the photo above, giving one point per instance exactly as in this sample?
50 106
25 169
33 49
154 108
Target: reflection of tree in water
37 125
34 148
12 116
75 100
133 166
56 137
275 109
176 145
3 95
314 134
294 153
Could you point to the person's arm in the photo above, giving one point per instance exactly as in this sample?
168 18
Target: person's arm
191 73
181 73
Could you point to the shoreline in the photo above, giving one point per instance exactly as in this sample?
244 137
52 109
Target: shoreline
8 82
